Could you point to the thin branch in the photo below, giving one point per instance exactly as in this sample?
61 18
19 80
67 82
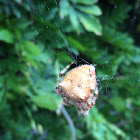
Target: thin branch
70 122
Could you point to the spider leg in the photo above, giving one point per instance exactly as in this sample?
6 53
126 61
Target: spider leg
60 76
93 87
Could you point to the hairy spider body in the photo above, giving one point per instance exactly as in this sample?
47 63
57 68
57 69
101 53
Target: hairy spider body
78 87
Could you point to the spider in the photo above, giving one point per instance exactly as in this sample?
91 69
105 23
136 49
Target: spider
78 87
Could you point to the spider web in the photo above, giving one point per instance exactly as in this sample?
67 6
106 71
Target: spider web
60 40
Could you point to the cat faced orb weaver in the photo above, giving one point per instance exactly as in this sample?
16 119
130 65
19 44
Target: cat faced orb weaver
78 87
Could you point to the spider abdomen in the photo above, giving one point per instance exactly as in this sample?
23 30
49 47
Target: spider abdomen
79 87
76 83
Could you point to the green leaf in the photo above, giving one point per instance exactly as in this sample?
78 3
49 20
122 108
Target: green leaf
136 59
75 44
64 57
118 39
118 103
16 12
91 23
117 61
22 24
30 48
116 16
45 86
74 19
64 8
93 10
117 130
96 122
136 101
45 101
42 58
6 36
86 2
79 134
29 35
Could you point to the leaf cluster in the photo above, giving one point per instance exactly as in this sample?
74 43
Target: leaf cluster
38 39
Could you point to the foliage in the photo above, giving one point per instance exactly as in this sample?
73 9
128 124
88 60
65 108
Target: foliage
38 38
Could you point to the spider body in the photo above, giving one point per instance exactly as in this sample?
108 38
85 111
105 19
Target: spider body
78 87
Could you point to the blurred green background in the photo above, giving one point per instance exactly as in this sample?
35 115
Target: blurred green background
38 38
